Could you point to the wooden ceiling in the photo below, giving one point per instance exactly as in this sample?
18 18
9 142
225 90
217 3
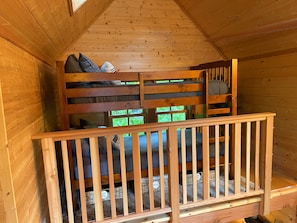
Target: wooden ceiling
243 29
246 29
45 28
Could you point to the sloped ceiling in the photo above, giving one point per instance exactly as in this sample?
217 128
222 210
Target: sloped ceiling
45 28
246 29
243 29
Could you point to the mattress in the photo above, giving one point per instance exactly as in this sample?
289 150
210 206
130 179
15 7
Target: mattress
143 153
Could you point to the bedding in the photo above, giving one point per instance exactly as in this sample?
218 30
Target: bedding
143 154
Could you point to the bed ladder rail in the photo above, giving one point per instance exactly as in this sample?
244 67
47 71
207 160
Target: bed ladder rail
222 104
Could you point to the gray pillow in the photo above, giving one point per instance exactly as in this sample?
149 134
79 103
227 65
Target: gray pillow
88 65
72 65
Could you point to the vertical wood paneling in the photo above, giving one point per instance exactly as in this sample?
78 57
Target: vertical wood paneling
139 35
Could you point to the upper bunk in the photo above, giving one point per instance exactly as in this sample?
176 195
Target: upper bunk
205 90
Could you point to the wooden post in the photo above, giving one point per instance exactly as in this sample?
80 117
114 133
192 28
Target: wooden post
233 67
266 183
137 173
141 89
237 157
52 181
206 90
62 95
172 154
6 180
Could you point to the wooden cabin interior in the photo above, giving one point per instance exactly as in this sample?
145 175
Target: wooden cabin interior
142 36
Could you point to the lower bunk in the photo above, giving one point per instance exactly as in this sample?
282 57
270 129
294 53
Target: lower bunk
157 143
173 193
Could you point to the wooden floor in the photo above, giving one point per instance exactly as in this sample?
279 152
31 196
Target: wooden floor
280 181
284 200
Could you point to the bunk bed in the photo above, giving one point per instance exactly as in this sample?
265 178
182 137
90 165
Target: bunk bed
180 151
203 93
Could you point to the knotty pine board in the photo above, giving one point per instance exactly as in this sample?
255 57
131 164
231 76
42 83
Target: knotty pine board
156 35
20 76
269 84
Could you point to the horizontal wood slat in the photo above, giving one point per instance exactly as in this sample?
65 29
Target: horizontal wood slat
100 107
222 98
102 91
173 88
164 75
218 111
172 102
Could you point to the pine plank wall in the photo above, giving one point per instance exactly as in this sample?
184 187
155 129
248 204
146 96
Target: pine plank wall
269 84
25 82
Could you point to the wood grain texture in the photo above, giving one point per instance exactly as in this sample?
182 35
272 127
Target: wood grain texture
46 28
228 29
270 85
23 110
247 29
142 36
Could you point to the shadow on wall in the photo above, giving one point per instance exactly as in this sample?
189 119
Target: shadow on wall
49 95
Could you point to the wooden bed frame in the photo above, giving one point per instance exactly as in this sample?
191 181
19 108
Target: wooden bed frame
114 97
107 97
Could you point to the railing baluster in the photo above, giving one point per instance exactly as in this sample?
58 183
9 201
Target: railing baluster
248 157
111 177
96 175
150 170
226 160
217 161
82 189
67 181
237 158
184 164
161 168
257 156
194 164
124 175
137 173
205 157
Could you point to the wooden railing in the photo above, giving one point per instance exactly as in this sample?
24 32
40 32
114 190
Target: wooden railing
247 145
